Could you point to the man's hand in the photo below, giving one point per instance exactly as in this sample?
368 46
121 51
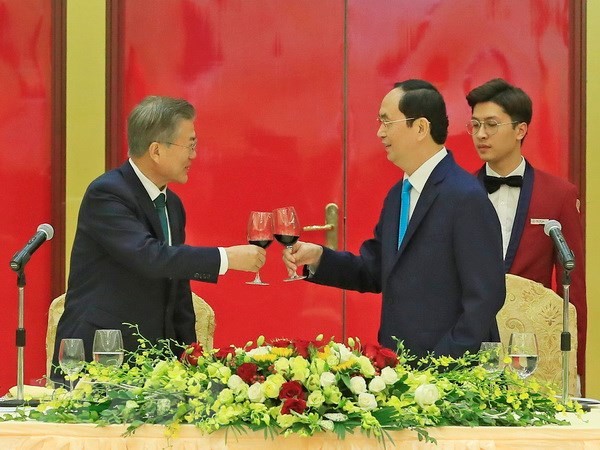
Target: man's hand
249 258
302 253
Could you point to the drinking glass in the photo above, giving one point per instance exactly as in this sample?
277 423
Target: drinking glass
523 352
71 357
286 229
108 347
260 232
492 356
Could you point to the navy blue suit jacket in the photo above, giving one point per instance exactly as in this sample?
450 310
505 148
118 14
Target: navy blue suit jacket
443 287
123 271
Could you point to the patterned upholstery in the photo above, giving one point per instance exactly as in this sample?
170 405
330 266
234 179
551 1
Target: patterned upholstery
56 309
205 325
531 307
205 322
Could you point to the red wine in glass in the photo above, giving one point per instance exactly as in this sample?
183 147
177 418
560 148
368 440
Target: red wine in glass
286 230
260 233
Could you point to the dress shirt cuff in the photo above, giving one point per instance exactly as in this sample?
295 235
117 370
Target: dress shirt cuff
224 261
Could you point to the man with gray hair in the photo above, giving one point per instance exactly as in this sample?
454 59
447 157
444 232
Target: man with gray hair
129 263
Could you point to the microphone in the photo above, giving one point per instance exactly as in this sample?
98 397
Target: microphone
45 232
565 255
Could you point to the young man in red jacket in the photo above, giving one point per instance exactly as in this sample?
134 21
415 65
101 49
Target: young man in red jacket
525 197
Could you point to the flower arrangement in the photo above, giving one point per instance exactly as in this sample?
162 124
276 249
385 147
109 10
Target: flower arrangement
287 386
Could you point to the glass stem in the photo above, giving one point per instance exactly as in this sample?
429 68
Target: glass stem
257 278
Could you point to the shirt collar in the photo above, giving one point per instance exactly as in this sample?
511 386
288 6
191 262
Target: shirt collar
150 187
519 170
419 177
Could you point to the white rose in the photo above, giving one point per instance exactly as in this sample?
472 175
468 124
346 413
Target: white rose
377 384
343 352
367 401
327 379
426 394
358 385
389 375
256 393
259 351
234 382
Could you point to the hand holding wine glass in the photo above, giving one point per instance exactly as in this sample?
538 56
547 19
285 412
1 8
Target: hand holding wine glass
523 352
260 233
286 229
108 347
71 358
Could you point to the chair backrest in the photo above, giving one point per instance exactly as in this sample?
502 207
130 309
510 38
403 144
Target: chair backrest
54 312
205 325
532 307
205 322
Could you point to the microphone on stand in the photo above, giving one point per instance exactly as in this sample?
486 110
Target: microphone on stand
553 229
44 233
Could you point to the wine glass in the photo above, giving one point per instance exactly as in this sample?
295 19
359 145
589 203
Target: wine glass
260 232
523 352
71 358
286 229
492 356
108 347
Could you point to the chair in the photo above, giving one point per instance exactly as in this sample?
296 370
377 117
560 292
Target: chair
205 325
54 312
531 307
205 322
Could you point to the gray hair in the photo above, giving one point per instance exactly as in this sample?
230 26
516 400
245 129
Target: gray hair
155 119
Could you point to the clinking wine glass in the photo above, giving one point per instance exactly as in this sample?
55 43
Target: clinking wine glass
108 347
523 353
260 232
71 357
286 229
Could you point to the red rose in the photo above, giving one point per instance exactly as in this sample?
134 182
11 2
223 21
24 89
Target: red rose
370 351
222 353
191 354
386 358
291 389
302 347
247 372
280 342
293 404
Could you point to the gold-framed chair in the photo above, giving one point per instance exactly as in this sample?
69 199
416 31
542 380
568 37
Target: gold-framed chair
532 307
205 322
205 325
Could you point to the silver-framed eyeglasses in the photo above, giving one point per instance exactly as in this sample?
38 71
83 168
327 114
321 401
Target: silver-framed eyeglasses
490 126
191 148
387 123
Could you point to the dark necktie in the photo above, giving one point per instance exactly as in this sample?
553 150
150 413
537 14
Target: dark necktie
160 205
492 184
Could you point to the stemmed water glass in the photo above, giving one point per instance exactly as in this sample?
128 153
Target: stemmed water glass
523 353
71 358
260 232
492 356
286 229
108 347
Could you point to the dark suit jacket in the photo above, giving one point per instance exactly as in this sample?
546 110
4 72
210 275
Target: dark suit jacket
122 271
443 287
531 253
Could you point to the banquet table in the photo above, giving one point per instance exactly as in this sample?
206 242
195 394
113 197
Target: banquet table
581 434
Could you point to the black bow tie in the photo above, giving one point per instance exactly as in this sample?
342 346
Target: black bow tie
492 184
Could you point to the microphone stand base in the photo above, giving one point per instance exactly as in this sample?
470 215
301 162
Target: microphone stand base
14 402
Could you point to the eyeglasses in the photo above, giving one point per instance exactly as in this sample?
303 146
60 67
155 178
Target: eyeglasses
489 125
191 148
387 123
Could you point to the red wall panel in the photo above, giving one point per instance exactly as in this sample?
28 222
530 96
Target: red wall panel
25 133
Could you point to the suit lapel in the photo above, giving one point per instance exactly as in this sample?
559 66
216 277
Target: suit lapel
520 217
143 198
426 199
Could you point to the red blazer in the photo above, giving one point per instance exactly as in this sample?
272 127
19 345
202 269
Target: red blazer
531 253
